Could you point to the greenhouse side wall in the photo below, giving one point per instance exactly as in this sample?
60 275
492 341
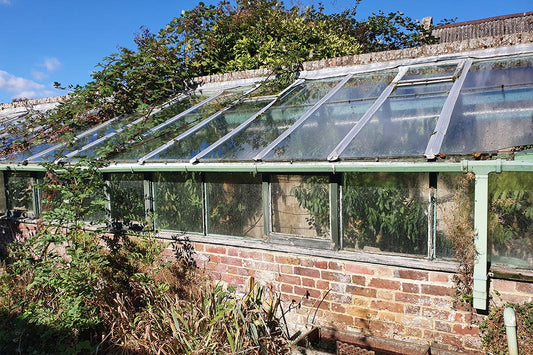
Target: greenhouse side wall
344 298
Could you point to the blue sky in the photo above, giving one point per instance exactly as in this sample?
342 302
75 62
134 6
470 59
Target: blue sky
45 41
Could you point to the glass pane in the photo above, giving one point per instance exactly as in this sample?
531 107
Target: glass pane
511 219
178 201
455 212
137 142
300 205
19 191
429 72
226 122
234 205
386 212
327 126
126 192
403 124
264 129
494 109
3 200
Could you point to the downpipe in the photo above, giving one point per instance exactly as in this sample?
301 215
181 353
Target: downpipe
509 319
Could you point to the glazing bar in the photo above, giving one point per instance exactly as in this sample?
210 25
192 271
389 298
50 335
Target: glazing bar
367 116
302 119
436 139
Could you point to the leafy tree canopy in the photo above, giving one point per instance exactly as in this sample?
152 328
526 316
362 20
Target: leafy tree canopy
212 39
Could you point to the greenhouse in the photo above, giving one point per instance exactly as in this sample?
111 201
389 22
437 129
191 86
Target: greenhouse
363 162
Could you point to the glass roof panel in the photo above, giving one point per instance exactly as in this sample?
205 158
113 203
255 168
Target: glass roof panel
403 124
138 140
116 126
327 126
429 72
267 127
494 109
189 146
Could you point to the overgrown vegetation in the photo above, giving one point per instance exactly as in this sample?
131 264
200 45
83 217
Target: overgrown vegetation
493 329
211 39
72 290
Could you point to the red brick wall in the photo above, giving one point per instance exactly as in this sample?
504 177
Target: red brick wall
383 301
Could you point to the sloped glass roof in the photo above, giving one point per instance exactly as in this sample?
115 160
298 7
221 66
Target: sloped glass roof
418 109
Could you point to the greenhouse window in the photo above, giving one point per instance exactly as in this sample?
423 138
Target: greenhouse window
127 200
386 212
511 219
178 200
21 194
300 209
234 205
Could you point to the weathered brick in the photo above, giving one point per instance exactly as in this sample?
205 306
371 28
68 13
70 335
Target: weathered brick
322 285
465 329
410 288
308 272
414 321
442 326
358 269
233 280
231 261
437 290
267 266
412 274
384 295
439 277
437 313
337 287
268 257
287 289
290 279
215 249
361 291
233 252
307 292
216 267
383 283
389 306
335 276
333 265
335 307
251 254
524 287
419 300
321 264
306 282
237 271
412 309
307 262
359 280
336 297
286 269
289 260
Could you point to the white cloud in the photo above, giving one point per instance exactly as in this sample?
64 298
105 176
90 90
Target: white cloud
52 64
39 75
5 2
21 87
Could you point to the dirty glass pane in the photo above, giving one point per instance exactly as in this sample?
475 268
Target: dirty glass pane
140 142
403 124
429 72
454 211
511 219
178 201
385 212
327 126
264 129
227 121
300 205
495 108
126 192
19 189
234 205
3 201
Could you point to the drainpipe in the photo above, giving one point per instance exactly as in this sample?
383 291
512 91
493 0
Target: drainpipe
509 318
480 289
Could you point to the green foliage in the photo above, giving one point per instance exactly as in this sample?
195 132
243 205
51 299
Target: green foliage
313 195
212 39
493 329
384 211
511 217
